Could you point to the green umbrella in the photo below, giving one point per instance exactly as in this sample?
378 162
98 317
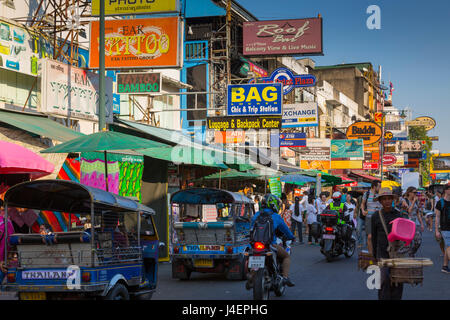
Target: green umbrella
103 141
329 179
231 174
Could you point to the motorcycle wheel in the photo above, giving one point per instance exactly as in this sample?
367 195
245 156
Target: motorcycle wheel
351 249
328 256
279 287
261 288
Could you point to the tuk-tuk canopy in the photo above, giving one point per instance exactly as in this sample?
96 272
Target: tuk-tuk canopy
68 196
208 196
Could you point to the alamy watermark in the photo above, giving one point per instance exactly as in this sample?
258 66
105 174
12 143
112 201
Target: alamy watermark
374 20
374 280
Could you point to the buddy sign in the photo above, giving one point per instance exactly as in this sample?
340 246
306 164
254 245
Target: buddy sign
255 99
368 131
137 43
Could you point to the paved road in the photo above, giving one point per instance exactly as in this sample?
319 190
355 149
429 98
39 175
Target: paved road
314 278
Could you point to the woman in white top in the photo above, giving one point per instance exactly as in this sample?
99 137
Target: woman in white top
321 203
297 218
311 217
349 209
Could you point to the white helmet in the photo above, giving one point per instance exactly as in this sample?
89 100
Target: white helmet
336 195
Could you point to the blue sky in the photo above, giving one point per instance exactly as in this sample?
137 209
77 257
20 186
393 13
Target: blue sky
412 46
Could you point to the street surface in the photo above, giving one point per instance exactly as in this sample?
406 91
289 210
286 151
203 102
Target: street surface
314 278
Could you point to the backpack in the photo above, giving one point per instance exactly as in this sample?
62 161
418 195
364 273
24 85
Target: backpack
262 229
444 215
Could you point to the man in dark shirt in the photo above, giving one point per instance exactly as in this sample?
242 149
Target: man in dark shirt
442 211
379 248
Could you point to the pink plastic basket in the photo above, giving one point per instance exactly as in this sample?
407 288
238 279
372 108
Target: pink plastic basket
402 229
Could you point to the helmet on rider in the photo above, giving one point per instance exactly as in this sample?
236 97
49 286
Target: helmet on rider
336 196
272 202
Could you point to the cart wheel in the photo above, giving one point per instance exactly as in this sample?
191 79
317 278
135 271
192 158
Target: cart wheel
118 292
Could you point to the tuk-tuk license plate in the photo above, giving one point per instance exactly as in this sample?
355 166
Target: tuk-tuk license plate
256 261
329 236
32 296
203 263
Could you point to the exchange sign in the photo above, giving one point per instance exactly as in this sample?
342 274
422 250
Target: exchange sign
255 99
300 115
296 139
138 83
125 7
137 43
368 131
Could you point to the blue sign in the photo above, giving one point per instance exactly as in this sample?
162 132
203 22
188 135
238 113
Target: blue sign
255 99
399 138
288 79
116 103
296 139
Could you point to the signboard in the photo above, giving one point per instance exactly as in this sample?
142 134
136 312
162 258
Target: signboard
427 122
131 7
73 92
288 80
371 165
440 163
409 145
378 118
229 137
137 43
347 149
368 131
275 186
296 139
287 153
399 160
346 164
243 123
138 83
316 155
411 163
255 99
300 115
283 37
434 138
209 213
389 159
116 103
388 135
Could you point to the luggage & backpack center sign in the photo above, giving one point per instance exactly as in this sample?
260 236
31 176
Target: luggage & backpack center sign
138 83
255 99
368 131
288 80
244 123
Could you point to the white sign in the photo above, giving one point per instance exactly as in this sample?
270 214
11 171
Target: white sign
73 92
315 143
300 115
410 179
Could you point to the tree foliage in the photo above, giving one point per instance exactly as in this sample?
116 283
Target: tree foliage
419 133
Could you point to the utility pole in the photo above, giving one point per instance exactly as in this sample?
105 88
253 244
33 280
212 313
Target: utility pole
228 41
101 71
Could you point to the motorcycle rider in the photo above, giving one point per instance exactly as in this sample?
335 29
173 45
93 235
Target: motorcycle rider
338 207
271 204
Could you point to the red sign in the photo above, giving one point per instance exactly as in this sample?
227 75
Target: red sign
389 159
371 165
283 37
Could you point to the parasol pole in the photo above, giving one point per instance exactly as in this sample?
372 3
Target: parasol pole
106 170
220 177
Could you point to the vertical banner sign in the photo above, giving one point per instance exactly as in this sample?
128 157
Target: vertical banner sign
255 99
300 115
119 7
137 43
275 186
283 37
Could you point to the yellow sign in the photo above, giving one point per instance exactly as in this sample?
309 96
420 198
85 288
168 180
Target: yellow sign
315 164
427 122
125 7
440 163
351 164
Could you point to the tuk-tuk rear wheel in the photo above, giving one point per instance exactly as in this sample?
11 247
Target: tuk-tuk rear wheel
118 292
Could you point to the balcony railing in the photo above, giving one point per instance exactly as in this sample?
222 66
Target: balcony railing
196 50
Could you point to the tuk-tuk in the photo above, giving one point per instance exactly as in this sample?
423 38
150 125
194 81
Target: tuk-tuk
210 232
109 251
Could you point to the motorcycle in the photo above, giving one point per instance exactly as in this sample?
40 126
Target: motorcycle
336 240
265 269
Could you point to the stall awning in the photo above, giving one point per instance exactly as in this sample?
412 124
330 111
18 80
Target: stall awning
40 125
365 176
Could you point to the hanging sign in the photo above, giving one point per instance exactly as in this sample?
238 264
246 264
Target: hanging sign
288 80
243 123
368 131
427 122
389 160
138 83
300 115
127 7
296 139
255 99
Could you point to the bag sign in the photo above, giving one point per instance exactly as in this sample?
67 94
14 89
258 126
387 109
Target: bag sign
368 131
138 83
255 99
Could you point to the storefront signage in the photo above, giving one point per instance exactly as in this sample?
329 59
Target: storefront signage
389 160
138 83
288 80
137 43
244 123
427 122
275 186
346 164
347 149
388 135
316 155
283 37
409 145
300 115
125 7
255 99
229 137
296 139
371 165
368 131
72 92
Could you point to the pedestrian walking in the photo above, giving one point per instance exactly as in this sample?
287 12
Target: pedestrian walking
3 240
368 207
349 209
321 203
311 217
415 215
297 218
378 247
442 225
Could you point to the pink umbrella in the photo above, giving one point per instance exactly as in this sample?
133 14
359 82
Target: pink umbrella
15 159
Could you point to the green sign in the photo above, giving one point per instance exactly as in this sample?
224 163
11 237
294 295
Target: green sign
138 83
347 149
275 186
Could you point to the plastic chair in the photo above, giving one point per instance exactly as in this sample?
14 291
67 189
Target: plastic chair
402 229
